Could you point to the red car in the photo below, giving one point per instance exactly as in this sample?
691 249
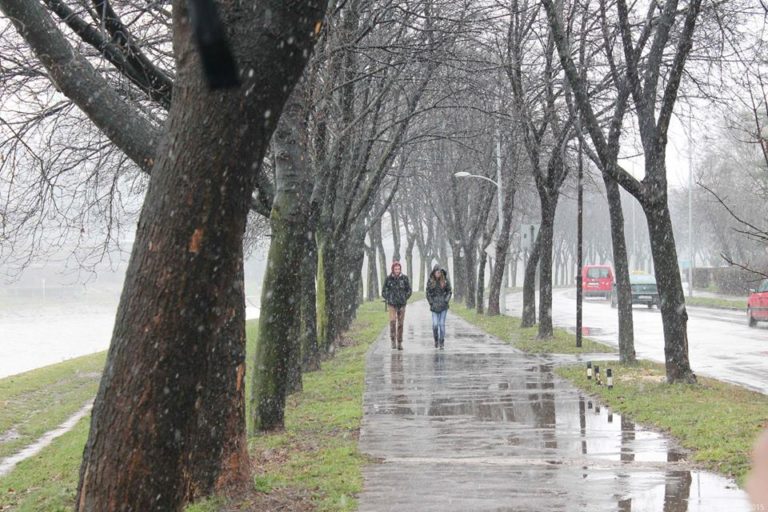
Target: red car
597 280
757 304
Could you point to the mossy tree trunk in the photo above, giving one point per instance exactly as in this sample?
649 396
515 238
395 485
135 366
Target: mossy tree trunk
277 368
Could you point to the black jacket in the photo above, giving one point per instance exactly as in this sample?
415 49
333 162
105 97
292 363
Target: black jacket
396 290
437 296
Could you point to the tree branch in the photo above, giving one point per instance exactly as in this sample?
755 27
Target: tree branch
79 81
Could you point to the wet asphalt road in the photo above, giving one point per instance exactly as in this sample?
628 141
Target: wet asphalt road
482 427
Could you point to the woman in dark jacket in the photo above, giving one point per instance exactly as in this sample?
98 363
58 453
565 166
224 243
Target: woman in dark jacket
397 290
439 295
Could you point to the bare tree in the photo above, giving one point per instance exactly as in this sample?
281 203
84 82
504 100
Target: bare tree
168 421
537 101
641 81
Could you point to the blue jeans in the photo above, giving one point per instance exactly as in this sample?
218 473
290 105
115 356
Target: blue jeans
438 322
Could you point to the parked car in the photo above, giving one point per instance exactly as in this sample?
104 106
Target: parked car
597 280
757 304
644 290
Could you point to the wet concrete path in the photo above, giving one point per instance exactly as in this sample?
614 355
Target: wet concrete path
480 426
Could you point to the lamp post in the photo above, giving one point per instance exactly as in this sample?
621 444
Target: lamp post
691 254
497 184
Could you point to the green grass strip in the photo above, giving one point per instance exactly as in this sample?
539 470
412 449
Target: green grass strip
316 457
48 481
711 302
317 454
38 401
507 328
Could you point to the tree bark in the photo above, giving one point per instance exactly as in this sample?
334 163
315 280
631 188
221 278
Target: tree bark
529 285
621 268
277 371
168 423
481 282
470 274
411 240
395 218
546 234
373 275
502 248
310 349
673 313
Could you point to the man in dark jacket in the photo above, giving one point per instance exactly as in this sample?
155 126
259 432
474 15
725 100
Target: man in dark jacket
439 293
397 290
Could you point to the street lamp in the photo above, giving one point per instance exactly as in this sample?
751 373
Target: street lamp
497 184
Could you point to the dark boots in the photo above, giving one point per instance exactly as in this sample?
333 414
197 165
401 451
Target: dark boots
435 334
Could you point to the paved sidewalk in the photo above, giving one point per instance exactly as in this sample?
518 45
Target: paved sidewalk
483 427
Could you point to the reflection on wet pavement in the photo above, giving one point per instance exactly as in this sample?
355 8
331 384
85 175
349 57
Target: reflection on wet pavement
480 426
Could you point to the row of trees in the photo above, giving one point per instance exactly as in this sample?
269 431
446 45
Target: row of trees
329 145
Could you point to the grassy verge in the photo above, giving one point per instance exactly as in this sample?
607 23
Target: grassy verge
508 329
313 464
35 402
718 422
316 458
711 302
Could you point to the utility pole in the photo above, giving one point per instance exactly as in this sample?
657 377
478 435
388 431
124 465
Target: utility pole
579 255
500 213
690 204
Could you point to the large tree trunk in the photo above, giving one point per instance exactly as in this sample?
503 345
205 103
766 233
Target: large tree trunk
459 270
470 275
373 275
512 277
168 423
378 244
621 269
338 281
310 348
423 270
529 285
673 313
411 240
481 282
277 371
502 248
546 234
326 306
395 218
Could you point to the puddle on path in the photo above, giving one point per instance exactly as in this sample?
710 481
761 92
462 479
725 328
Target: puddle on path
488 428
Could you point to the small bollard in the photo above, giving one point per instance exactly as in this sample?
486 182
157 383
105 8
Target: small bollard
610 417
589 370
609 378
597 376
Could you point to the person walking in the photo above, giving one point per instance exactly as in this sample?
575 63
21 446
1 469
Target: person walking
439 294
396 291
